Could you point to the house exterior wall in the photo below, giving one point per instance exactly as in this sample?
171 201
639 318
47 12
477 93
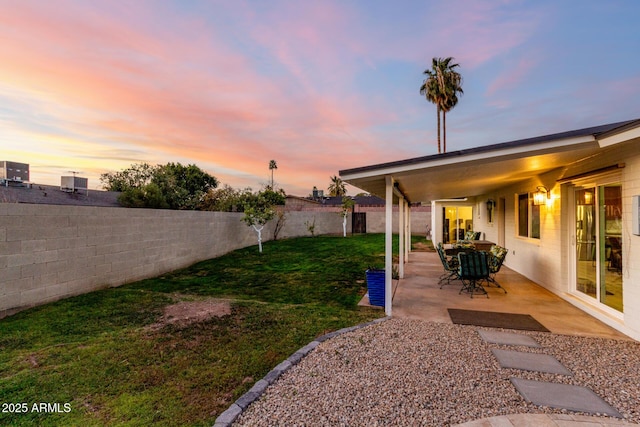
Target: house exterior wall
49 252
631 244
549 260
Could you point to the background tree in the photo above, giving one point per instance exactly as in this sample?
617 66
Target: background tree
272 166
183 186
337 187
228 199
170 186
274 197
225 199
442 87
147 196
136 176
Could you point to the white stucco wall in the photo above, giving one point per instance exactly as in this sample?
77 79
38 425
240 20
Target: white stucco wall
548 260
631 247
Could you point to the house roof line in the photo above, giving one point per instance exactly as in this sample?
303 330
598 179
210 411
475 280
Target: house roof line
468 156
511 147
625 126
623 133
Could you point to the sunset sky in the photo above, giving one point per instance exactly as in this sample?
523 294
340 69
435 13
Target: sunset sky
318 86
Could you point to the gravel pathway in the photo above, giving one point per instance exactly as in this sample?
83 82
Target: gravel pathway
409 372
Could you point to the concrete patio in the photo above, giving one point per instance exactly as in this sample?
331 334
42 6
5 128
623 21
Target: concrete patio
418 296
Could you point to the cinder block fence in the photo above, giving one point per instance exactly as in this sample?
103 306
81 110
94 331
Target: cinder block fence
51 252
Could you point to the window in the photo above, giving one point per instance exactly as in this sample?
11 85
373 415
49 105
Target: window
528 217
457 220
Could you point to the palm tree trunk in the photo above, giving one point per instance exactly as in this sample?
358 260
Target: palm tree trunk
444 131
438 110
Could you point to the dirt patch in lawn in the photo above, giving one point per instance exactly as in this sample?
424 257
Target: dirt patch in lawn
185 313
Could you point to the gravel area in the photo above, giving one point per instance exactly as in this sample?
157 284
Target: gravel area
409 372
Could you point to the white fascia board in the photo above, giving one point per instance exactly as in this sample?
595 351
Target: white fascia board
522 151
627 135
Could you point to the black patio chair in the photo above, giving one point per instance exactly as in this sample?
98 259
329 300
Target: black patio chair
450 267
473 270
497 254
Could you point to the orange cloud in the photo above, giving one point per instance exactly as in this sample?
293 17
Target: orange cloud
232 85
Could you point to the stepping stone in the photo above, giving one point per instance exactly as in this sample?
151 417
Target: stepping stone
507 338
530 362
563 396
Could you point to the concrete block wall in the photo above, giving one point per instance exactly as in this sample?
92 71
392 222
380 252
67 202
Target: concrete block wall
420 217
420 220
297 224
51 252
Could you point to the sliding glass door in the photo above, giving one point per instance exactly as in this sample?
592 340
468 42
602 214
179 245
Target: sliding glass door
456 221
599 251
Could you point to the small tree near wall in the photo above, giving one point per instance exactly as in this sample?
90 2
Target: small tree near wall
347 207
258 210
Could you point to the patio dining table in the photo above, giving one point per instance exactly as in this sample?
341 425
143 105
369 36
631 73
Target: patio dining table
479 245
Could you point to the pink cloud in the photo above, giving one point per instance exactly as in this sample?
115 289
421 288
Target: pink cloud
475 33
116 77
511 76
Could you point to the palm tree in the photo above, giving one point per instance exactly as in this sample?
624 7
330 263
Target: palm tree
441 87
337 187
431 91
272 166
453 87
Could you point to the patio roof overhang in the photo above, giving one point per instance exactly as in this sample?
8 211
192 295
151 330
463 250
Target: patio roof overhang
477 171
482 170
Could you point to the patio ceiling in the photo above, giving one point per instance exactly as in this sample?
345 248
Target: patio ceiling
480 170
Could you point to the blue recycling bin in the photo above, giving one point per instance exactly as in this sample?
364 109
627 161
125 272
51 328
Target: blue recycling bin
375 286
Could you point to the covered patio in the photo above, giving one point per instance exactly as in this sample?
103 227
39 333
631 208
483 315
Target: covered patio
524 196
418 296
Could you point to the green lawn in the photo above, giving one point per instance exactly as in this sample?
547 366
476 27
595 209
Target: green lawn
98 354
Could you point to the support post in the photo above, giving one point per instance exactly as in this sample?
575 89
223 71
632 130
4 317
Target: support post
408 228
388 245
401 238
436 231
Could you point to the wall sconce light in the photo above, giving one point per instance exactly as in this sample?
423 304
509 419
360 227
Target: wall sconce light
588 197
541 195
490 205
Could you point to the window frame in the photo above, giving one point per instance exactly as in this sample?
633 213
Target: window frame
531 217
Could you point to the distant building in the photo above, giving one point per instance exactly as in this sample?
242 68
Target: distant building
53 195
295 203
74 184
13 172
360 201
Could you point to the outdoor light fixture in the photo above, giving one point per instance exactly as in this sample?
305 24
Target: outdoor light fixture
588 198
490 205
541 195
